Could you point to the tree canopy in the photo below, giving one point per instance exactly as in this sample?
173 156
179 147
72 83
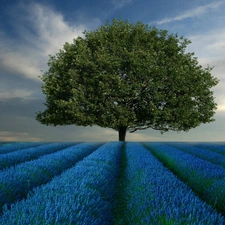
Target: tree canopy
127 76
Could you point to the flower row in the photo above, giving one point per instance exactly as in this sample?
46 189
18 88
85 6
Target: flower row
202 153
13 158
215 147
205 178
16 182
6 148
82 195
151 194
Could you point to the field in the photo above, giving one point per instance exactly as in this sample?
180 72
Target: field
111 183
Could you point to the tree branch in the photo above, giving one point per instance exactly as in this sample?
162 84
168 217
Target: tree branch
154 128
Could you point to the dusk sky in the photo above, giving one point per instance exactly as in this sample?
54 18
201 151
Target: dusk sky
31 30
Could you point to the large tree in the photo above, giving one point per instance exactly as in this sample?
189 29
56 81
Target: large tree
127 76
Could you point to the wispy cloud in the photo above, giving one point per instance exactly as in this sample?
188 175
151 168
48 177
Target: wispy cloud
17 136
40 32
16 93
120 3
192 13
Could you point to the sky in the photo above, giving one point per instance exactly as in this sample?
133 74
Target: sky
30 31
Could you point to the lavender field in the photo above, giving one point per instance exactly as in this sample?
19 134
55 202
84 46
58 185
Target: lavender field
111 183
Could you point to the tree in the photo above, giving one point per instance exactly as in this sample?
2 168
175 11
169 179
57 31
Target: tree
127 77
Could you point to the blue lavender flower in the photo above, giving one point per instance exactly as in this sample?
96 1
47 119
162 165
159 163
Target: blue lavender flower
18 146
153 195
13 158
16 182
82 195
215 147
202 176
202 153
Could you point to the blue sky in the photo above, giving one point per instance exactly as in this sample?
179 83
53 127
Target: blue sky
31 30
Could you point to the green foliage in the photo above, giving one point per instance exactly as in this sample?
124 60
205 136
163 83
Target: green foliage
128 75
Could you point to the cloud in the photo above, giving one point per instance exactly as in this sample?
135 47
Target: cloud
209 48
210 43
118 4
17 93
147 135
51 28
14 86
17 136
199 11
40 31
221 106
17 63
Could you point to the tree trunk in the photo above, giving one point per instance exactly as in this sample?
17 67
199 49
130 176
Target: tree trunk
122 133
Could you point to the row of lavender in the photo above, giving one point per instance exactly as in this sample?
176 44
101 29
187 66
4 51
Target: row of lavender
154 195
15 146
93 183
20 154
201 169
83 194
18 180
